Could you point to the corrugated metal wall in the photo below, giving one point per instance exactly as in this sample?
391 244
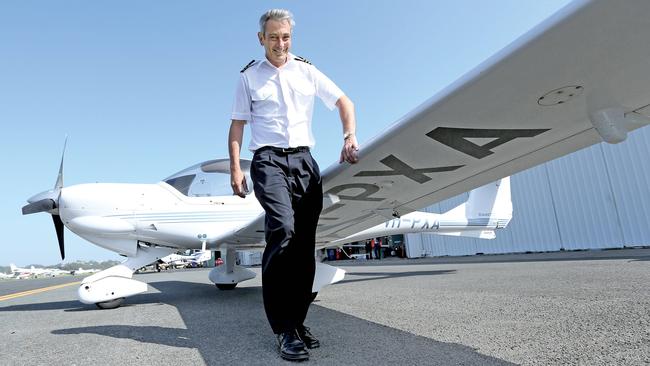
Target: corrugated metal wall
598 197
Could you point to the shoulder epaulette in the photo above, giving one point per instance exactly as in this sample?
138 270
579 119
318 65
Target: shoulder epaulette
299 58
247 66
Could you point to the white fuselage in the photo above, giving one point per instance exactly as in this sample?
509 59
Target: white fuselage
117 216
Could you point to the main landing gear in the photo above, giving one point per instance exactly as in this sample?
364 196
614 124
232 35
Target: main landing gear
228 275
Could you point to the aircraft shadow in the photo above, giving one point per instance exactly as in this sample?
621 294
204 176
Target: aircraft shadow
641 259
370 276
55 305
576 255
173 296
230 327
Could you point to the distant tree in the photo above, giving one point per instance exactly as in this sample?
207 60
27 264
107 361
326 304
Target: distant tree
87 265
70 265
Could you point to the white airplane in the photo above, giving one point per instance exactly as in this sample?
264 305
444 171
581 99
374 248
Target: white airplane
21 273
183 260
4 276
578 78
53 272
83 271
34 272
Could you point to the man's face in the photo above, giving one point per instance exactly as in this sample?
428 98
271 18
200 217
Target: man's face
276 41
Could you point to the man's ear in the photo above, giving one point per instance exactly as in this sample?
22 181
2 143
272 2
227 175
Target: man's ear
260 37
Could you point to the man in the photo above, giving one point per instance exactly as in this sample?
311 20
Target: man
377 248
275 96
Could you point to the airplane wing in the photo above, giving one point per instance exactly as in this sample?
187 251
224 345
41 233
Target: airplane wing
578 78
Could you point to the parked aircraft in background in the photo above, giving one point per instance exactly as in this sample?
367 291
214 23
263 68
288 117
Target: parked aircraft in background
35 272
6 276
182 261
53 272
83 271
518 109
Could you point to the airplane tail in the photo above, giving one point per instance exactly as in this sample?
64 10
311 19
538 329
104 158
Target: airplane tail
202 256
488 208
13 267
489 205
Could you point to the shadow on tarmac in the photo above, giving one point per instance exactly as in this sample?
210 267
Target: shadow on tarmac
230 327
370 276
641 259
632 255
67 306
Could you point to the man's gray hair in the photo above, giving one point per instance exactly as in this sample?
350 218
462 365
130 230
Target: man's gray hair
276 14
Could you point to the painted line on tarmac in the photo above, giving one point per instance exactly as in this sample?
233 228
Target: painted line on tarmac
36 291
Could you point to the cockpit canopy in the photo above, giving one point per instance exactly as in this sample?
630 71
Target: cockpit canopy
207 179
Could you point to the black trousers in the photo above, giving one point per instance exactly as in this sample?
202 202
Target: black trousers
289 188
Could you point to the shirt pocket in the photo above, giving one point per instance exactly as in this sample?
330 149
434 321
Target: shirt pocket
263 101
303 88
303 94
262 93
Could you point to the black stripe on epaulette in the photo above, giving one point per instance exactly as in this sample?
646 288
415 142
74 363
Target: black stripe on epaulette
247 66
299 58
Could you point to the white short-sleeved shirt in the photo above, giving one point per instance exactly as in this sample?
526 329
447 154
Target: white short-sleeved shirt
278 103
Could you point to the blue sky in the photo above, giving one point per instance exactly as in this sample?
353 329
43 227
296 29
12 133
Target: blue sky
143 89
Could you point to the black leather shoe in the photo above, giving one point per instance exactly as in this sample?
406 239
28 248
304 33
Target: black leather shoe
307 337
292 348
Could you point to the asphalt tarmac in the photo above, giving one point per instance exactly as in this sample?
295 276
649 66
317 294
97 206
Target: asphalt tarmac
587 308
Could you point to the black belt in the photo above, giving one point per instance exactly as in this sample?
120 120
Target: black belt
284 150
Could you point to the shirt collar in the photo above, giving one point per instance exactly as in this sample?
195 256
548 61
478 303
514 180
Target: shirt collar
290 59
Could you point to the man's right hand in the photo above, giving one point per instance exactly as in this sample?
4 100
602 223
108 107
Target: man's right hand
238 183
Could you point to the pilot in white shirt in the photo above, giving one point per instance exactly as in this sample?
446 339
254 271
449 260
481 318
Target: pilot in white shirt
278 102
275 97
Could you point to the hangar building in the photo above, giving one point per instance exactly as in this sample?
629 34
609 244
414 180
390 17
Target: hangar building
595 198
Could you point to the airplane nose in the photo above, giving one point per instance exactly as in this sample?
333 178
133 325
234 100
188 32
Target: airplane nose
50 201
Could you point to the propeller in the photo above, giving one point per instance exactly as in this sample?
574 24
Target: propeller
58 226
48 201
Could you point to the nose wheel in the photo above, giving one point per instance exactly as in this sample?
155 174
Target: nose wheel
226 286
112 304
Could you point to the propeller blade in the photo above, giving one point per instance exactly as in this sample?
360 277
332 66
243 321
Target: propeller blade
59 179
44 205
58 226
51 194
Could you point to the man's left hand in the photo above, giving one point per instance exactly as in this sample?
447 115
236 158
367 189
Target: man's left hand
350 151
